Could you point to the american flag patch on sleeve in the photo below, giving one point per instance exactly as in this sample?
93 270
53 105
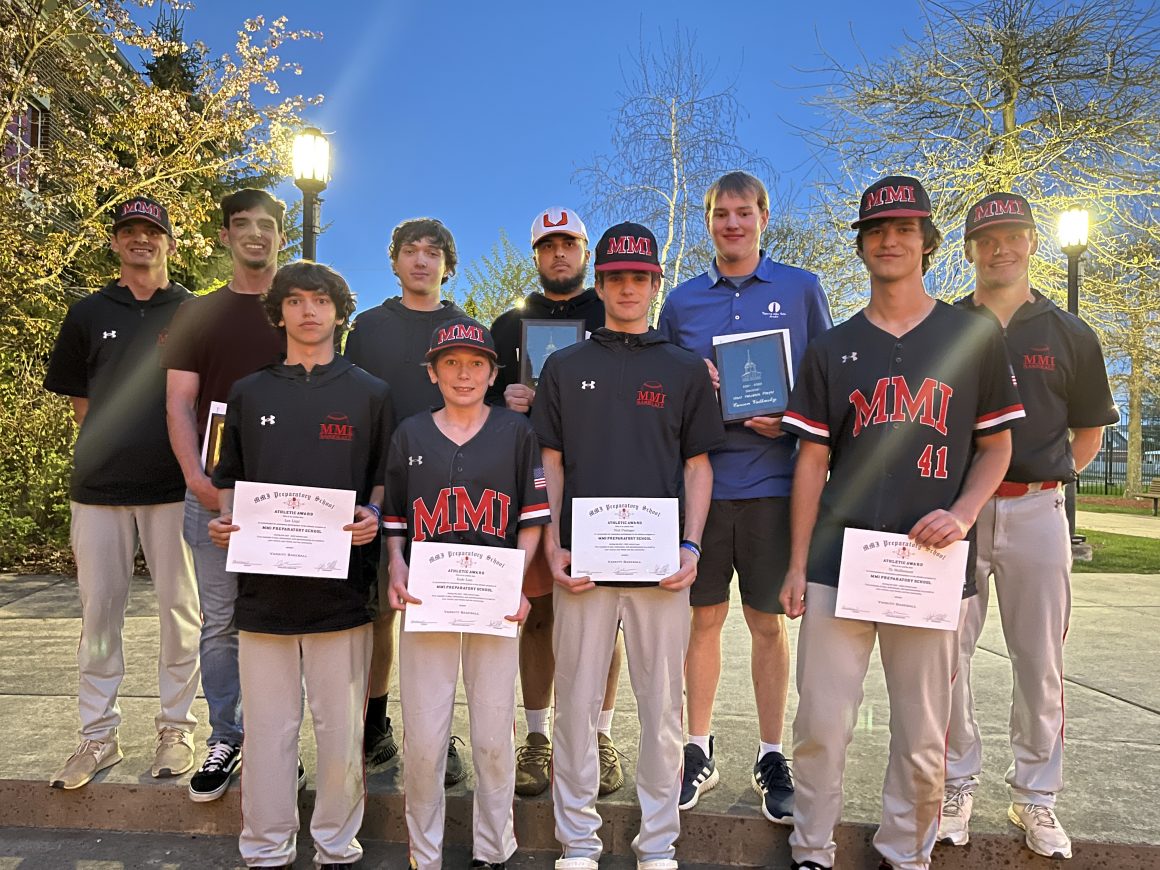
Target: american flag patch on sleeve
539 480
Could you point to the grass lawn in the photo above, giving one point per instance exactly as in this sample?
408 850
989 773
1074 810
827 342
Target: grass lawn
1120 554
1099 504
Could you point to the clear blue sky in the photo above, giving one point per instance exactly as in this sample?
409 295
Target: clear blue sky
479 113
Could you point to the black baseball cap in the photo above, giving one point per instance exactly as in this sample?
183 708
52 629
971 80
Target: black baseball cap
627 247
998 208
142 208
463 332
893 196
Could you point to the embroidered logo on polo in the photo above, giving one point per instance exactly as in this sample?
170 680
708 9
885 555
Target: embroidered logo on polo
773 309
336 427
268 420
1040 358
111 333
651 395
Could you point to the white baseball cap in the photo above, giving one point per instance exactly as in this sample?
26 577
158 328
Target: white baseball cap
558 219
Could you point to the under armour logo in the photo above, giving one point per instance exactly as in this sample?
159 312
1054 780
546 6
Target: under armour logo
588 385
1058 503
852 356
268 421
414 460
112 333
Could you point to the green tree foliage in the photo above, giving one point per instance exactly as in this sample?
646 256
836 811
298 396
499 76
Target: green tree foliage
498 281
109 134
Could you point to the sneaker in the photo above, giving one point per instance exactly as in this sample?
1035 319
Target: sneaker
301 774
657 864
380 746
809 865
1045 835
533 765
772 780
700 775
958 801
488 865
91 757
577 864
213 777
455 771
174 755
611 773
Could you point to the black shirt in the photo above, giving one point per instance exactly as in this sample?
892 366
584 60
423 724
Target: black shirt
108 352
626 411
1063 382
327 427
899 415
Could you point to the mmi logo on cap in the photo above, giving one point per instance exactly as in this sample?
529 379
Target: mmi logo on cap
141 207
998 207
461 332
887 194
630 245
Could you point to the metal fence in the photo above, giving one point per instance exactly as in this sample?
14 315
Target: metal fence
1108 472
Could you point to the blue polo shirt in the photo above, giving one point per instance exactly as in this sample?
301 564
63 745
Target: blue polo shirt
775 296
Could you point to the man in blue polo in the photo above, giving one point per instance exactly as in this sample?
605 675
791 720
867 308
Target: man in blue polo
747 530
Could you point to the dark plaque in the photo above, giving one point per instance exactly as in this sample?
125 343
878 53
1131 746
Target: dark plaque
539 339
755 375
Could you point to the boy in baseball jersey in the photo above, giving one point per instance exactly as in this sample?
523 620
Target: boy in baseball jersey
467 473
315 420
906 407
1023 536
625 413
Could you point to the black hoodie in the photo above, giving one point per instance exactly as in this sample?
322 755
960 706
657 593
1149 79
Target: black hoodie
391 343
108 351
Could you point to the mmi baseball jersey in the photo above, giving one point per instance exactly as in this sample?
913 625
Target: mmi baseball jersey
900 415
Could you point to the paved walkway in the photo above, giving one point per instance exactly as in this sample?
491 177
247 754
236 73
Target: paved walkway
1138 525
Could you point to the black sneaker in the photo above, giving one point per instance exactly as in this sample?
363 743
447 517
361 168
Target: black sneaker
455 771
772 780
700 775
211 780
301 774
380 746
808 865
476 864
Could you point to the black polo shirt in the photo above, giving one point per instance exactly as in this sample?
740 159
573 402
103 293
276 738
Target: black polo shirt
1063 382
626 411
327 427
900 415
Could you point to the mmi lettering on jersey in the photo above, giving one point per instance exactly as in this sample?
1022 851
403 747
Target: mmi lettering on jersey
454 511
893 402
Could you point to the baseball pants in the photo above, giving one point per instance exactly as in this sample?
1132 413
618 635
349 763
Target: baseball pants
656 637
335 665
428 673
832 658
1025 544
104 542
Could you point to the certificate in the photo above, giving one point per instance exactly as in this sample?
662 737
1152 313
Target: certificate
295 531
625 540
756 373
211 445
886 577
464 588
539 339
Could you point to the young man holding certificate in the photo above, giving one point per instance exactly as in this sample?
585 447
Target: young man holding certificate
307 432
465 488
906 408
627 419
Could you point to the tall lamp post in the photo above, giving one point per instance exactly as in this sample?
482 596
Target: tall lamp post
311 162
1073 241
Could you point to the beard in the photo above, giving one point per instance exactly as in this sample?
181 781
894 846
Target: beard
568 286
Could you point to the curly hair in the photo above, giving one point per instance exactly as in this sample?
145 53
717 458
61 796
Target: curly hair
318 278
416 230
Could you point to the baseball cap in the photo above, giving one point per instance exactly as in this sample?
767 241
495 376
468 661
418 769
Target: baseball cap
558 219
142 208
998 208
627 247
893 196
461 332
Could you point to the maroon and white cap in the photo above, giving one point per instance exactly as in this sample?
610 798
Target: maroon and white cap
142 208
998 208
627 247
558 219
461 332
893 196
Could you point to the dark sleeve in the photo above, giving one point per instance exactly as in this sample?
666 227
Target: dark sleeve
531 481
546 409
230 467
386 428
808 414
1089 396
667 323
395 499
68 366
181 342
506 344
702 429
999 402
818 318
352 350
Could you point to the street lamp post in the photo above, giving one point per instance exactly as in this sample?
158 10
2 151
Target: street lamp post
1073 241
311 162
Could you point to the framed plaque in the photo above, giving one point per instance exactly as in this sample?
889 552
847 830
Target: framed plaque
756 373
539 339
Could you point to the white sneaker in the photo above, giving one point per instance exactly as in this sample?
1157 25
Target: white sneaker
958 801
657 864
1045 835
577 864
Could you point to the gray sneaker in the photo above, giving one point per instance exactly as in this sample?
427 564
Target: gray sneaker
1045 835
174 755
91 757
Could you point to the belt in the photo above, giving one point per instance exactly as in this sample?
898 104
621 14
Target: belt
1009 489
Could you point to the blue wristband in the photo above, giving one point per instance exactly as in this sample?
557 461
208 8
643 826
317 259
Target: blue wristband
692 548
376 510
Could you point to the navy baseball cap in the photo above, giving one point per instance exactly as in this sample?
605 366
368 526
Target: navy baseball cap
461 332
893 196
142 208
627 247
998 208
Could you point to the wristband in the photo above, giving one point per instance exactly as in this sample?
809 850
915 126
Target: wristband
376 510
692 548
